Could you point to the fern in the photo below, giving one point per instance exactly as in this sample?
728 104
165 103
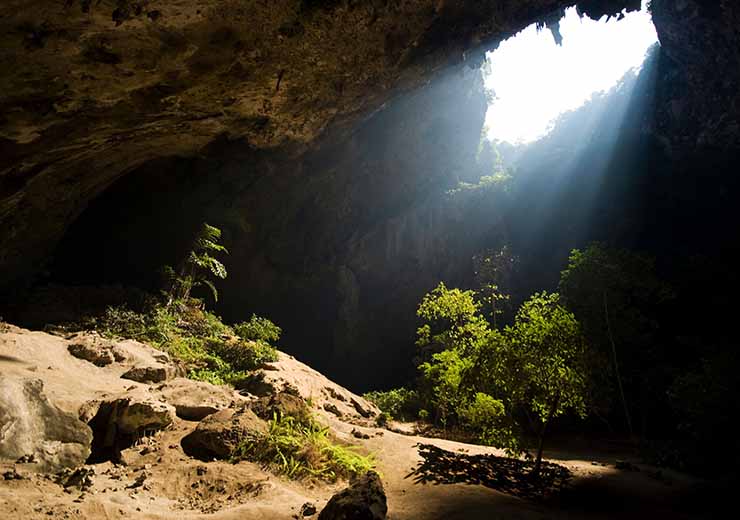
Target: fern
198 266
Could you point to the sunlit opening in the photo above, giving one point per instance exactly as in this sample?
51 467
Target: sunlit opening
531 79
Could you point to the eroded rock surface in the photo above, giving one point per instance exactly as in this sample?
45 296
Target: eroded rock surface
32 427
194 400
117 422
155 373
99 355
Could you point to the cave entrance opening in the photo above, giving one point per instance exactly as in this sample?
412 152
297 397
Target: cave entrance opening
554 67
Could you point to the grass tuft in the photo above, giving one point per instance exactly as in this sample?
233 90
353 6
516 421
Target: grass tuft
303 450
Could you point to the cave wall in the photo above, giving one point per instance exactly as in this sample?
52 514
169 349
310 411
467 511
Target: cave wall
698 105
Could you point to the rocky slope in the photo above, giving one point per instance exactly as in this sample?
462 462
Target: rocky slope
158 472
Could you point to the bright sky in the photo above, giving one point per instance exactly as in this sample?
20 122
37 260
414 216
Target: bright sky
534 80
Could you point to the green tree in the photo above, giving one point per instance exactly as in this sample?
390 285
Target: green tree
451 320
545 363
615 294
198 267
453 329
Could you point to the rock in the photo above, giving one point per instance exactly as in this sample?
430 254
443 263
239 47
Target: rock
26 459
218 435
81 478
12 474
256 384
363 411
194 400
364 499
332 392
31 426
150 373
308 509
118 422
329 407
136 353
98 355
284 404
359 435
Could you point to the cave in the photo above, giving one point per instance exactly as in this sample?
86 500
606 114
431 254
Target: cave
349 154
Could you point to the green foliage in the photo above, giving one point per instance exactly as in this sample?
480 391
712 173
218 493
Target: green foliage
399 403
198 267
451 320
452 331
549 357
488 380
210 348
448 307
258 329
242 355
488 417
482 413
616 296
444 375
498 181
302 450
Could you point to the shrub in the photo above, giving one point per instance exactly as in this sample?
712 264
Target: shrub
121 321
195 336
242 355
399 403
258 329
482 413
303 450
486 416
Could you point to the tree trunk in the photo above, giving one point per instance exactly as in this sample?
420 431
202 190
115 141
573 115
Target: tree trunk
616 368
541 441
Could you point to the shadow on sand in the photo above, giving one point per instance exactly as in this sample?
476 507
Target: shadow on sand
503 474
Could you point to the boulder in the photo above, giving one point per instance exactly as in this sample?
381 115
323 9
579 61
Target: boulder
219 434
118 422
92 348
155 373
284 404
32 426
134 353
194 400
363 499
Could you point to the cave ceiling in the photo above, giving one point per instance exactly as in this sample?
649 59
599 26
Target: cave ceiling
93 89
